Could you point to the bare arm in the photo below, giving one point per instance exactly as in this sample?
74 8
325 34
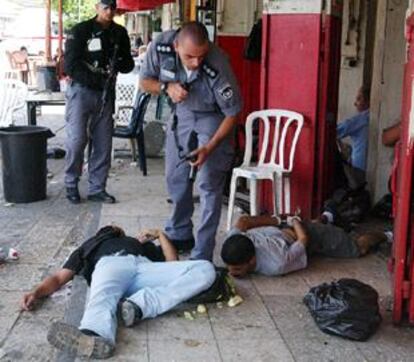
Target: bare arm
47 287
245 223
222 132
168 249
391 135
300 232
150 85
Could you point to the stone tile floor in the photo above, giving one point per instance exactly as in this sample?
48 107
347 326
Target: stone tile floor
271 325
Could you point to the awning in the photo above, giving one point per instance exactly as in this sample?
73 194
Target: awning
137 5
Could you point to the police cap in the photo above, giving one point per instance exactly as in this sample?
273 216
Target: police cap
111 3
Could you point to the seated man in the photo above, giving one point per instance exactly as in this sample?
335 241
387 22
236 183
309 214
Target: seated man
356 127
117 267
259 244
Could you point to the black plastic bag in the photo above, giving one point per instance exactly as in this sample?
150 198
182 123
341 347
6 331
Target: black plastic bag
220 290
347 308
383 208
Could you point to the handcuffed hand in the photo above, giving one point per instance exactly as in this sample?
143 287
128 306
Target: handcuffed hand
176 92
279 221
290 220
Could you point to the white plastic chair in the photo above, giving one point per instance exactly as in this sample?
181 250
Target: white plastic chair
124 102
278 168
126 93
13 94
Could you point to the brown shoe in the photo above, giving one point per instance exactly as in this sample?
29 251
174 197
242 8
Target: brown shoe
70 339
369 240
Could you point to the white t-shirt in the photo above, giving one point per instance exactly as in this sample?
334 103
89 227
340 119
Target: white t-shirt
276 252
188 72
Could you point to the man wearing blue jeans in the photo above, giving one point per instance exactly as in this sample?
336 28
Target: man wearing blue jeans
147 279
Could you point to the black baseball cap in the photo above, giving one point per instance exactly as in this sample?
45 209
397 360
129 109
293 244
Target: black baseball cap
111 3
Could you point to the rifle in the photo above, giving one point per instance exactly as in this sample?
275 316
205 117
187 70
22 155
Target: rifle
110 81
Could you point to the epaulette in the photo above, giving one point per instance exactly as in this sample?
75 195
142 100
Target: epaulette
165 48
210 71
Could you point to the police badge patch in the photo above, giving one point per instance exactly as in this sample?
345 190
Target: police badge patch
226 92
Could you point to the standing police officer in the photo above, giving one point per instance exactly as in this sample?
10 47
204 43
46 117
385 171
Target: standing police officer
197 77
96 50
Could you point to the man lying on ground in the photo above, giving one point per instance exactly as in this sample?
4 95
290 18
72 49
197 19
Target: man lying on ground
120 268
261 244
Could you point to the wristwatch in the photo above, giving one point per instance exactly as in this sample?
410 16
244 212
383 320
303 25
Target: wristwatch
163 87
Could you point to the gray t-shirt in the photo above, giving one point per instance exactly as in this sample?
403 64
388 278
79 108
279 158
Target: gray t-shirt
276 252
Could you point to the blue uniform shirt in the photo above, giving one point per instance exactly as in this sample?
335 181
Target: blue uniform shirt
213 91
356 127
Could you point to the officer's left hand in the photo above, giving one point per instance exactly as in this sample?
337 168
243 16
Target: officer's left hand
202 154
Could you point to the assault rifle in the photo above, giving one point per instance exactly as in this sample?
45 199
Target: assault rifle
110 80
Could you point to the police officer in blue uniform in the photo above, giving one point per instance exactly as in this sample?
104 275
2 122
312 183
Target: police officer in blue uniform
205 97
96 50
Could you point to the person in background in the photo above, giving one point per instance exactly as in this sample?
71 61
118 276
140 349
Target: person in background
95 51
21 63
356 127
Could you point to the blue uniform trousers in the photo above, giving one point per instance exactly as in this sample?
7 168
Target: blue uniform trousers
210 182
82 113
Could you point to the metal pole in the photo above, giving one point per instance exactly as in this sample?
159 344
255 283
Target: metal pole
48 31
60 45
60 28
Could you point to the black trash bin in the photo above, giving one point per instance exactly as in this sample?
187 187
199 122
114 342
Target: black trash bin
24 150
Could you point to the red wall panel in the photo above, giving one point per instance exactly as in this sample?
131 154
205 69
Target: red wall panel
325 146
246 71
289 80
402 263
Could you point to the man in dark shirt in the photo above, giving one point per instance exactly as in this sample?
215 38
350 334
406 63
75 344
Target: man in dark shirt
119 267
96 50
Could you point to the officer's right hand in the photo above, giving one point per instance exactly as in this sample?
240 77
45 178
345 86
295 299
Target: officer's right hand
176 92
